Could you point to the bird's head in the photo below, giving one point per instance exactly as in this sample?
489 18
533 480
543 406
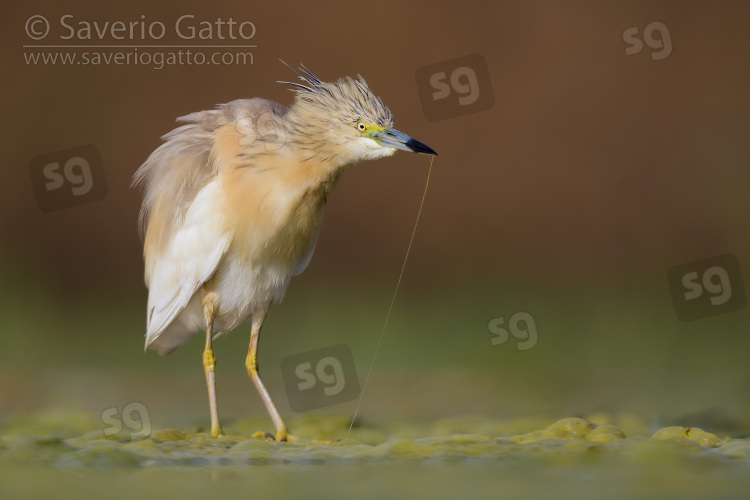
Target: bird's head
345 121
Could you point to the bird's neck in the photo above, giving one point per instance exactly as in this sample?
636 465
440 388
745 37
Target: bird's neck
321 173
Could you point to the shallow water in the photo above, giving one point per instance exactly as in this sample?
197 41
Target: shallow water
601 457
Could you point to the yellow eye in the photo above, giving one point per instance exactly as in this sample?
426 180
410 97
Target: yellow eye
361 126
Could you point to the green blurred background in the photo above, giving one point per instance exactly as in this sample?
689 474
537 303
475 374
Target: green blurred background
592 175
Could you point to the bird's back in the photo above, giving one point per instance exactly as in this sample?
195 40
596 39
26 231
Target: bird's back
178 169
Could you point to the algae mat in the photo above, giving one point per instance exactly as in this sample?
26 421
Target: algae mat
598 457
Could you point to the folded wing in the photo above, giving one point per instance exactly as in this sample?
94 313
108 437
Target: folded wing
189 260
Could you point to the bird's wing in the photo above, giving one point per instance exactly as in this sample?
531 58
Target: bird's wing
185 234
189 260
308 257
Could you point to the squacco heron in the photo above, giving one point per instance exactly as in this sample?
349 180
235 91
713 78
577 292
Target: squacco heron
233 201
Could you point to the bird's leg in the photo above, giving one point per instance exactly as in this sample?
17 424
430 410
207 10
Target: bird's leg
252 369
209 362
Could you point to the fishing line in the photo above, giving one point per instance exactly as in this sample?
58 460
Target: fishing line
393 300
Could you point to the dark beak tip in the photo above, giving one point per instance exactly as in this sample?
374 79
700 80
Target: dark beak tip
419 147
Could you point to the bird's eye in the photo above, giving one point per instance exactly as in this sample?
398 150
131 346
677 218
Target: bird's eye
361 126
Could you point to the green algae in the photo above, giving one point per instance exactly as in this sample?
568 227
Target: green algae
320 440
569 457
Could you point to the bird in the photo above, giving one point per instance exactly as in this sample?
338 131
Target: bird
232 206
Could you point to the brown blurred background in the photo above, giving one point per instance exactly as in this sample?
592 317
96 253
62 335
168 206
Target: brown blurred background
592 175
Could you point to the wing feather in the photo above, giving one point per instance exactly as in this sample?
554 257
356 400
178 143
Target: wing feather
190 259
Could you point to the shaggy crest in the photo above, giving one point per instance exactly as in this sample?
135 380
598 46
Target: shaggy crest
355 96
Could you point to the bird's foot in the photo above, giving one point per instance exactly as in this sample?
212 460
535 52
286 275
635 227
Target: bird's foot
285 436
267 436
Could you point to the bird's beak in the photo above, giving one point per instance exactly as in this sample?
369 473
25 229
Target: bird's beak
394 139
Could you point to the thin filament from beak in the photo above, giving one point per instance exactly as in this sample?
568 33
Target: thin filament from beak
393 299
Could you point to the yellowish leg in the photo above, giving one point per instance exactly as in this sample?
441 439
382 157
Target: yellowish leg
209 363
252 369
